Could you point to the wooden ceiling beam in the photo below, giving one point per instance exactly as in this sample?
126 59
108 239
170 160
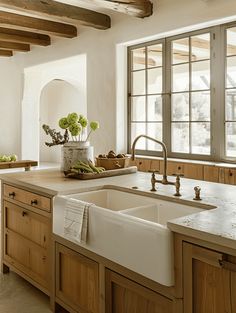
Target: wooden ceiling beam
6 53
14 35
56 10
12 20
137 8
15 46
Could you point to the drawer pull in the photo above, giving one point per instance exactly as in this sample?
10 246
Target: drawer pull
227 265
34 202
24 213
12 194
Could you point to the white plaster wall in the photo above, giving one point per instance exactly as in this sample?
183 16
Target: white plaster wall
104 74
10 106
58 99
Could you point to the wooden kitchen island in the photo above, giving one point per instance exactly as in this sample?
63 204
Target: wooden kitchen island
78 280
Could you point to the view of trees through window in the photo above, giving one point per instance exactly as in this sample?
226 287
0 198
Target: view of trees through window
170 93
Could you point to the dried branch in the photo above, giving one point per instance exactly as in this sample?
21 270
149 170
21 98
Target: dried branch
57 137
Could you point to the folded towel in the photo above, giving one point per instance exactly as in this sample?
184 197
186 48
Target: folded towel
76 219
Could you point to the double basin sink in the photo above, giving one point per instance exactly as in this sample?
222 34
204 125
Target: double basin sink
130 229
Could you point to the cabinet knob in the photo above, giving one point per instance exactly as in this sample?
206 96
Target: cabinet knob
11 194
34 202
24 213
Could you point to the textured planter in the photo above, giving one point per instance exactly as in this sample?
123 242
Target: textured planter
73 151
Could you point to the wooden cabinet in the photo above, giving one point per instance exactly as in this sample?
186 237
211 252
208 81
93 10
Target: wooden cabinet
26 236
77 280
126 296
209 280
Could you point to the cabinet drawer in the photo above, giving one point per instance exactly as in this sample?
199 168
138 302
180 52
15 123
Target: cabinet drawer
26 197
27 224
27 257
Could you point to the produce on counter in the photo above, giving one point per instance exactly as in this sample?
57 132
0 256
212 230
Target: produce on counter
8 158
85 167
112 155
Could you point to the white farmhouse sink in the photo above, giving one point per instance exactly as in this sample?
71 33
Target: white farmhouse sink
129 229
111 199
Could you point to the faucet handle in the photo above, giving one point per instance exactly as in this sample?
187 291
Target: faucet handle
154 171
178 175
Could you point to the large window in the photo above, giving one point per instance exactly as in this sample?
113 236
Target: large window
176 94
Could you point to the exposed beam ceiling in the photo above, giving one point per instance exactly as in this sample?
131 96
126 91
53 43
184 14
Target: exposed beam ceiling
12 20
6 53
14 46
138 8
56 10
13 35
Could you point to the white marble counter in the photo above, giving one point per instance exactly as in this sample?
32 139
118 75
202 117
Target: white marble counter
215 225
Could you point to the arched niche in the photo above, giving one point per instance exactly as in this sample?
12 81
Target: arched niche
36 79
58 98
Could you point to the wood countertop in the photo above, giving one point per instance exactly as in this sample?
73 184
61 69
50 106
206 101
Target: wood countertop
216 225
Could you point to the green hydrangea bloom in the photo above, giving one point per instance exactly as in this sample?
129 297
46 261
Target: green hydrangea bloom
94 125
75 129
63 123
72 118
83 122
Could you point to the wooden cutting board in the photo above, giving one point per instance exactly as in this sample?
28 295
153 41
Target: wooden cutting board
108 173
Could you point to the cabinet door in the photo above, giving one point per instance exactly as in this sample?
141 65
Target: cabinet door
27 257
77 280
174 168
27 224
209 281
227 176
211 173
194 171
126 296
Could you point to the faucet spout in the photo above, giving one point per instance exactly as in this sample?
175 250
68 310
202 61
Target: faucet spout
164 179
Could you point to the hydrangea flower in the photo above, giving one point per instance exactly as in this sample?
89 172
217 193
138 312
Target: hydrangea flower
75 129
63 123
72 118
94 125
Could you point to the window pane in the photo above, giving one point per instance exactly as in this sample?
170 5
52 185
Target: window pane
200 47
230 106
180 107
154 108
138 109
154 55
231 72
231 41
180 77
200 138
180 137
231 139
155 80
201 75
138 59
155 131
136 130
138 83
180 51
200 106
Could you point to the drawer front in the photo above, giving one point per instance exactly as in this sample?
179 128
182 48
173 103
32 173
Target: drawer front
27 224
27 257
26 197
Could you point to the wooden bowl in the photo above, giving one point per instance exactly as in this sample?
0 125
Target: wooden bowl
112 163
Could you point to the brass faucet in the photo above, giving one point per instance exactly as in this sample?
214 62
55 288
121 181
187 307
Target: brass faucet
164 179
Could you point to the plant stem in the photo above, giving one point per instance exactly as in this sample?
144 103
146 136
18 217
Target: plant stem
88 135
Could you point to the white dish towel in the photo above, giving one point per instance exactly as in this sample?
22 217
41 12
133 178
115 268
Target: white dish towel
76 219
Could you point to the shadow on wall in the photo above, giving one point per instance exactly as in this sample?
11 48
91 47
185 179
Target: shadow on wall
58 98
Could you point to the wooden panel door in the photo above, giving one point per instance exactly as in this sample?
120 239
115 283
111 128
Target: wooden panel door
77 280
194 171
227 176
174 168
209 284
27 224
211 173
126 296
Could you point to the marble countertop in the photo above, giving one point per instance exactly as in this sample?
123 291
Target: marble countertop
217 225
